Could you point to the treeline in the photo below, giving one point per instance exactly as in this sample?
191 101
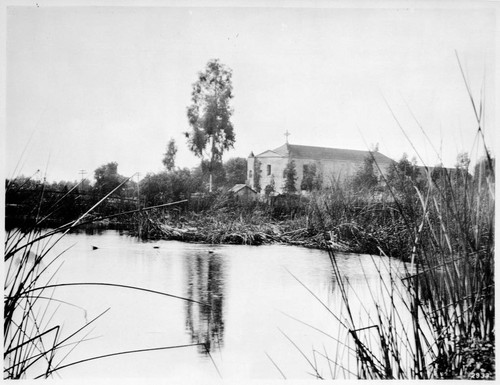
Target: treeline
180 183
29 200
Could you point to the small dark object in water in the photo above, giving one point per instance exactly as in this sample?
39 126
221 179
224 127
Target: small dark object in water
210 251
94 247
156 247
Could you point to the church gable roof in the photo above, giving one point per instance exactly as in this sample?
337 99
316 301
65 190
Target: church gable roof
270 154
326 153
283 150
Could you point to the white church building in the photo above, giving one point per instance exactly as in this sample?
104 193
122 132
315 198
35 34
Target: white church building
331 163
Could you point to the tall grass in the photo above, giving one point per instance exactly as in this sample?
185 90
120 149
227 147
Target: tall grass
447 292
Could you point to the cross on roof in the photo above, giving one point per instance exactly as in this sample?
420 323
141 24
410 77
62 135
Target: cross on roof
287 134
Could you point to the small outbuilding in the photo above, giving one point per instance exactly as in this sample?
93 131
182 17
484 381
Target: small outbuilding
243 191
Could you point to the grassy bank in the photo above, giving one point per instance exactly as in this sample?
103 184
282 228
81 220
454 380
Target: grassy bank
229 221
336 217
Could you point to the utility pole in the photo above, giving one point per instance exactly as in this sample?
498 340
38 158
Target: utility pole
82 173
139 216
138 191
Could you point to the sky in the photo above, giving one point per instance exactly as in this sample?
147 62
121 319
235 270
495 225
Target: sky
88 85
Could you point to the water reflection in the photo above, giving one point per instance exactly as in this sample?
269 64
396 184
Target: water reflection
205 283
251 294
99 229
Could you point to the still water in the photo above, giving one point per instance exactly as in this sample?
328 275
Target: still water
266 307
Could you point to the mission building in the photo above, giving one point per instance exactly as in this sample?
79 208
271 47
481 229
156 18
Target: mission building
331 164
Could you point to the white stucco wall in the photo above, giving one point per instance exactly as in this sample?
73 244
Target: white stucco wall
331 170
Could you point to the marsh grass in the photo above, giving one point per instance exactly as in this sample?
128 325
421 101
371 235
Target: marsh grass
434 318
226 221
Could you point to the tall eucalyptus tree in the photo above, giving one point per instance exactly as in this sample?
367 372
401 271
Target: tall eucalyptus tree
209 115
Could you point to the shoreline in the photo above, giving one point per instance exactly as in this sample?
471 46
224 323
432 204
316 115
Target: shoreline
244 234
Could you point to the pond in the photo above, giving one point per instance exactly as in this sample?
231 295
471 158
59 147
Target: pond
259 311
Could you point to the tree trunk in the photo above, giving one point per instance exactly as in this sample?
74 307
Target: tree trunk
211 165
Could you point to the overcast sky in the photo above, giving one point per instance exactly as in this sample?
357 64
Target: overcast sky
91 85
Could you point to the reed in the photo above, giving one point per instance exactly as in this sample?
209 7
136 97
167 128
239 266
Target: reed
447 291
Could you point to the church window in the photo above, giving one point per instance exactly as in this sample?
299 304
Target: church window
268 169
249 173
